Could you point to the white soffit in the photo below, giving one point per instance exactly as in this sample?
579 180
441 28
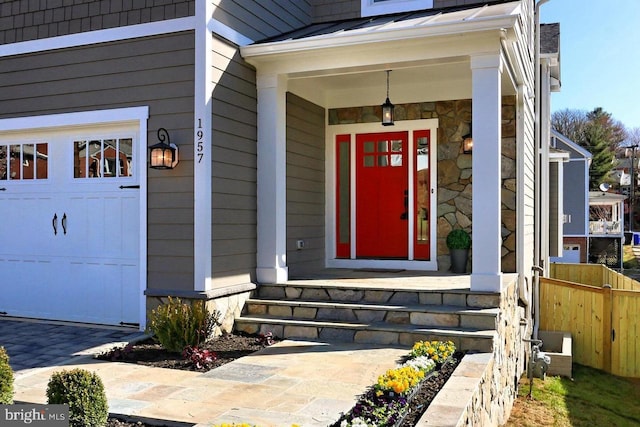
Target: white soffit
495 17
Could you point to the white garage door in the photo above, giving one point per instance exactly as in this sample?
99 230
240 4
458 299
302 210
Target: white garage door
70 224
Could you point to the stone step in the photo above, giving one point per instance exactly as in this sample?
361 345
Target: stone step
357 293
383 333
419 315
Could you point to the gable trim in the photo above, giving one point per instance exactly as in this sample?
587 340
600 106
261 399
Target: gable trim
99 36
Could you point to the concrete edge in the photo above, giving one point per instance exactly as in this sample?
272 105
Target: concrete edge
456 397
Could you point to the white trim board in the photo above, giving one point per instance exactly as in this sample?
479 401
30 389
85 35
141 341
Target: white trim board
75 119
122 33
373 7
409 126
99 36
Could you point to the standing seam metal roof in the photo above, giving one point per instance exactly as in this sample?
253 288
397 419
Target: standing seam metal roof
399 20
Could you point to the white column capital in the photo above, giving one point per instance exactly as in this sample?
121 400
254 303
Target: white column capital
270 81
487 60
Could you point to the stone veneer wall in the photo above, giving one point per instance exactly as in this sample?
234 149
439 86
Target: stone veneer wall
485 385
454 167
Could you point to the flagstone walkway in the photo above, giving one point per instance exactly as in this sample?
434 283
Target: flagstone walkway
293 382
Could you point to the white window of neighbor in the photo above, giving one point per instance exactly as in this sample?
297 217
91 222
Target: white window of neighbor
382 7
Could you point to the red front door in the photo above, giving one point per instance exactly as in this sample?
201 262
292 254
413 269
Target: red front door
382 196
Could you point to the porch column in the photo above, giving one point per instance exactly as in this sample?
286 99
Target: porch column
487 183
272 202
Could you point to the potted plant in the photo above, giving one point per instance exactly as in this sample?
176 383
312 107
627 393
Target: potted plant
459 242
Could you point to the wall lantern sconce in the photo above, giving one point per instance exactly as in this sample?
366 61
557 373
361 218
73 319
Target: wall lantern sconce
387 107
467 143
164 155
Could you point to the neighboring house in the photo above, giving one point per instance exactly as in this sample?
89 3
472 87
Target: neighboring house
284 168
627 167
574 215
592 221
606 228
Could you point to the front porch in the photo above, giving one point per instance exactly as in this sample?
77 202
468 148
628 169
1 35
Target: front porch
349 193
386 307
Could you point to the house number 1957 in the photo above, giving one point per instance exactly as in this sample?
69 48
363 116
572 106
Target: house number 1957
199 142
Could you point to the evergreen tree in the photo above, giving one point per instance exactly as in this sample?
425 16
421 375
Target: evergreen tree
598 133
603 160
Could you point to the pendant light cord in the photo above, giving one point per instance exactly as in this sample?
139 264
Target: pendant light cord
388 71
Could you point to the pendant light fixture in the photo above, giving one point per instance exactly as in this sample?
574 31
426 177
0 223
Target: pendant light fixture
387 107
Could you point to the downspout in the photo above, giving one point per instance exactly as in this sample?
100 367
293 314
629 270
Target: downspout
537 268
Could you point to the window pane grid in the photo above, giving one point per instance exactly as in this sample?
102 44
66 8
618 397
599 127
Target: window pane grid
105 158
23 162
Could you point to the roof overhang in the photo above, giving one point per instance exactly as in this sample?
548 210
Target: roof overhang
342 64
496 19
570 144
600 197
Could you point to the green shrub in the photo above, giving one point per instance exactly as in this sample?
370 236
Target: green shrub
458 239
177 325
6 379
84 392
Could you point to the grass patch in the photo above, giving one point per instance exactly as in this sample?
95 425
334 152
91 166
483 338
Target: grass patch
629 260
592 398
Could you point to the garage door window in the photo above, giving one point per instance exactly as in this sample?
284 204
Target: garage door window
20 162
103 158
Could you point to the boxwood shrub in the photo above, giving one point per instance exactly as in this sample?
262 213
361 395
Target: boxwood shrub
6 379
84 392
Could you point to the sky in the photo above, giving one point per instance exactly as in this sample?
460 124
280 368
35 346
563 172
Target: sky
599 56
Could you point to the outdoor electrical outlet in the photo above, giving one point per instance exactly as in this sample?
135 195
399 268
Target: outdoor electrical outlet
300 244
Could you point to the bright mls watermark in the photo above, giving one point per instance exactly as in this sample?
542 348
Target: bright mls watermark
34 415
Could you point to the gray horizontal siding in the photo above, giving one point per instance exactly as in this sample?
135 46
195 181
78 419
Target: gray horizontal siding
575 197
153 71
234 167
265 18
22 20
305 185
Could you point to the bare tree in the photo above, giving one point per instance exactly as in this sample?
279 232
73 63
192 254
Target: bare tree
633 137
570 123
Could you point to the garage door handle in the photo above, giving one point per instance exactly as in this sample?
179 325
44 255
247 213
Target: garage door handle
54 223
64 223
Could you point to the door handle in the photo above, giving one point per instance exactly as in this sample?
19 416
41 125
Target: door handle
64 223
54 223
404 215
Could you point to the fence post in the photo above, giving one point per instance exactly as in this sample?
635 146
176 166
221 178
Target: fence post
607 336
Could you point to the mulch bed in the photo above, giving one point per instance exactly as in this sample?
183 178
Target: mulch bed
227 348
429 388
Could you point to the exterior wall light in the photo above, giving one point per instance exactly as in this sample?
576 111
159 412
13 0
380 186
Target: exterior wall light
163 155
387 107
467 143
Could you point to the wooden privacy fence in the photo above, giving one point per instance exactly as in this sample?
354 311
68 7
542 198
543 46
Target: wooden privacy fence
604 321
594 275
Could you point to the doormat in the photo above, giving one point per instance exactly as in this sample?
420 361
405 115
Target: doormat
381 270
